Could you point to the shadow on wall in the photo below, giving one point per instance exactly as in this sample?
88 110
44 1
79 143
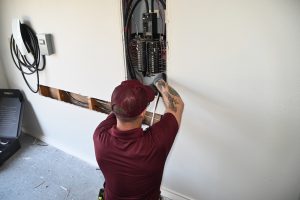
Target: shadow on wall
220 132
31 124
3 82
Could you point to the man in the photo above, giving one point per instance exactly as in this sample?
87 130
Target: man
132 160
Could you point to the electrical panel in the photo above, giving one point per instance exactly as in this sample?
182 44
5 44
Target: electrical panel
145 38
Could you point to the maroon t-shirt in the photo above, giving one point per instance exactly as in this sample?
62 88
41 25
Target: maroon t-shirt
132 162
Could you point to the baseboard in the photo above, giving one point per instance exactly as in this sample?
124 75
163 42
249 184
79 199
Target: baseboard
166 192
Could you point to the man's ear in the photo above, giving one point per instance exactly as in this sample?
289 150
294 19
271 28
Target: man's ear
143 113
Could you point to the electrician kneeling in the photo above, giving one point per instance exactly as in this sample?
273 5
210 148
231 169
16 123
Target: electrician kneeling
132 159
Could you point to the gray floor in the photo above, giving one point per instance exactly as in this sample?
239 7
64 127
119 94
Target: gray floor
39 172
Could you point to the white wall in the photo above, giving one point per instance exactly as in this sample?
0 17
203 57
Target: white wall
3 80
88 60
235 63
87 39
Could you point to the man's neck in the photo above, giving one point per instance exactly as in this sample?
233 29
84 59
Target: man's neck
125 126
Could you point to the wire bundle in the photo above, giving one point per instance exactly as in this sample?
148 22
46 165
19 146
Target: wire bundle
22 62
76 101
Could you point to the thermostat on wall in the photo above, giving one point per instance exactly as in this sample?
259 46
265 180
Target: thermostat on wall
45 44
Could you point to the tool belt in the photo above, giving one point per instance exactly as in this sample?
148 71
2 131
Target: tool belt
101 194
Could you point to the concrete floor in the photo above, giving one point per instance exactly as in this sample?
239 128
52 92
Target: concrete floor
40 172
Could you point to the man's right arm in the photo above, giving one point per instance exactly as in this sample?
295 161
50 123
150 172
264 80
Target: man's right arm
171 98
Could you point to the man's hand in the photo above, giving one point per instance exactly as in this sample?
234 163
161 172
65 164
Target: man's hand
158 77
150 81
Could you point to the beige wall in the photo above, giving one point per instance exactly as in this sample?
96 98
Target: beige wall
235 63
237 66
87 39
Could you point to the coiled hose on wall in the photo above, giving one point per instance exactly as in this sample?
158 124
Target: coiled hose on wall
28 64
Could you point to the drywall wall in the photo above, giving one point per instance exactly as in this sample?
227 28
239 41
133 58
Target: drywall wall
88 60
235 63
88 43
3 80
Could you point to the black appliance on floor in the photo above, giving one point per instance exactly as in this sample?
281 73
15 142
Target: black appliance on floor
11 109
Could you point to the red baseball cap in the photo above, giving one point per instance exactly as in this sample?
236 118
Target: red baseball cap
131 98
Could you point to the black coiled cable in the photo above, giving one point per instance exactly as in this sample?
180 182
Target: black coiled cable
21 61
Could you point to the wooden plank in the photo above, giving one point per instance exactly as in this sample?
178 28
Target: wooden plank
44 91
102 106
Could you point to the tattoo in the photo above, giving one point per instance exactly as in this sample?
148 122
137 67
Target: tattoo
161 84
173 92
169 95
171 102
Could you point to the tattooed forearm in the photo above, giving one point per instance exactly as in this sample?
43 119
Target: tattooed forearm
172 103
172 100
172 91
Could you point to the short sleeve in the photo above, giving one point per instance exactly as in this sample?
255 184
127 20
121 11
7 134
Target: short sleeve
165 131
106 124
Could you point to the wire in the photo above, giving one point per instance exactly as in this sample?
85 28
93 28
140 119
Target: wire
147 6
163 3
127 37
127 9
128 17
103 108
122 6
152 6
76 101
162 17
22 62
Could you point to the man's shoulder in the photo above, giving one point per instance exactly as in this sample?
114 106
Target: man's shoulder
168 119
106 124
